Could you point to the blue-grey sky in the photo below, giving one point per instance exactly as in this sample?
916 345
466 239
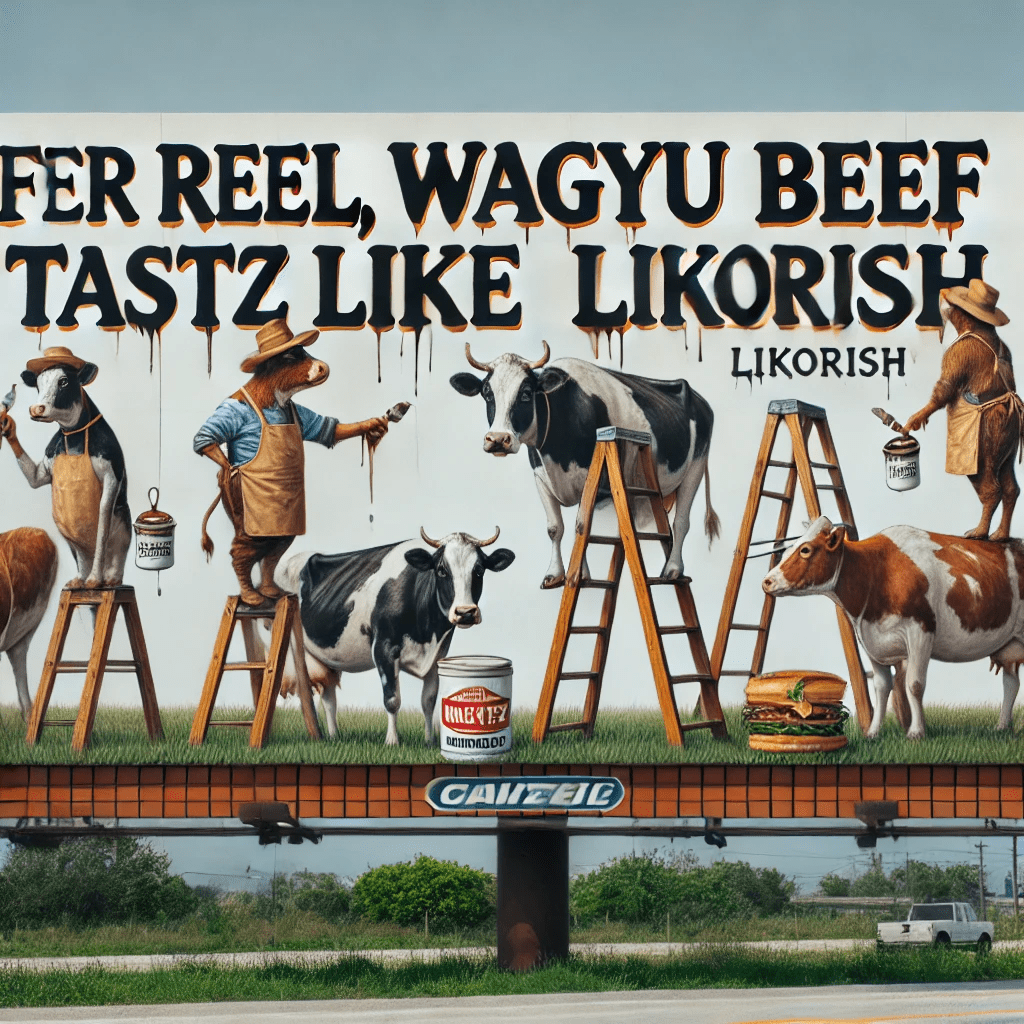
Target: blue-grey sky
518 55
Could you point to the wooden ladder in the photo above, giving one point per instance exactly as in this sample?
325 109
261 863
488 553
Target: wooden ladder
264 675
626 548
800 418
106 601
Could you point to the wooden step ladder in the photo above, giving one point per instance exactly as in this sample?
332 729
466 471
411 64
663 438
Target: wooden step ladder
106 601
800 418
607 462
264 675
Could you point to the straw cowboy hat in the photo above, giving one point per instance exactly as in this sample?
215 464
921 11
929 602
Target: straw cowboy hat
56 356
273 338
978 299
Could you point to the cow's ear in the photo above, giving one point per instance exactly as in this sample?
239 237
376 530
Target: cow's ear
835 538
500 559
421 560
552 379
466 383
29 378
87 373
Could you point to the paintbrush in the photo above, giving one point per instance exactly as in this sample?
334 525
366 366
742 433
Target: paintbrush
393 415
7 405
890 421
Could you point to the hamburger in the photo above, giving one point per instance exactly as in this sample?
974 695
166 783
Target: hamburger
796 712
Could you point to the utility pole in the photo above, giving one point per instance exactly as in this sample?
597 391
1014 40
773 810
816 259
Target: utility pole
910 891
1016 906
980 847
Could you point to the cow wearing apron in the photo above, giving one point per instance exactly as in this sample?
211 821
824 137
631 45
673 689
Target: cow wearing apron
262 484
84 464
984 413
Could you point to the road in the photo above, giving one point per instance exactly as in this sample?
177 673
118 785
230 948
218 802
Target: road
991 1003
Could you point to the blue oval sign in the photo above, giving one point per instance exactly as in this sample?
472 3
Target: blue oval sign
526 792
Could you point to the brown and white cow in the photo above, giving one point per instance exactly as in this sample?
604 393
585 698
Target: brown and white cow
28 569
913 596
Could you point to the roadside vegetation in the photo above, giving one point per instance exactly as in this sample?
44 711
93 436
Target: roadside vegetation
94 897
956 735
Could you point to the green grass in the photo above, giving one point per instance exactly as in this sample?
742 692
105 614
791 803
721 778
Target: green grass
353 977
956 735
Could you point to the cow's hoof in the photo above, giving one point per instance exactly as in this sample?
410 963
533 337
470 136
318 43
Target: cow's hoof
76 584
976 534
552 582
92 583
271 592
252 598
112 581
999 535
391 742
916 734
671 572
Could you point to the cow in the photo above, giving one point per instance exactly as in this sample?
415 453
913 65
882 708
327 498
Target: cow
914 595
85 465
556 409
394 607
261 477
28 569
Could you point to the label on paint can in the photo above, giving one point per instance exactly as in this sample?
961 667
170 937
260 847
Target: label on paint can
902 464
476 707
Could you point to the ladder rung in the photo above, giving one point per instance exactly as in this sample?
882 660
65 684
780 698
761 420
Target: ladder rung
240 666
246 724
747 625
736 672
588 629
61 721
605 584
690 726
691 678
777 496
829 487
597 538
824 465
567 726
781 465
672 630
649 491
579 675
664 581
82 666
654 536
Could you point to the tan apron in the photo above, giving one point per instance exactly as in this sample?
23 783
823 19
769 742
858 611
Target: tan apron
273 481
963 423
76 491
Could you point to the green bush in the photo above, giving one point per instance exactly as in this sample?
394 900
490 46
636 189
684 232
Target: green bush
834 885
90 881
455 896
320 894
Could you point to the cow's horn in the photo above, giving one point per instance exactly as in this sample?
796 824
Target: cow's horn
486 367
428 540
486 543
540 362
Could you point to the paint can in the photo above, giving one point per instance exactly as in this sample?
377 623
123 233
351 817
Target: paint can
475 691
154 536
902 463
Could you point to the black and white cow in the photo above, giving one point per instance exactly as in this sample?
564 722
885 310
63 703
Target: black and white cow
556 410
390 608
100 556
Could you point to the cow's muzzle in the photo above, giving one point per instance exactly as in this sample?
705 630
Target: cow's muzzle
465 615
38 412
771 584
500 442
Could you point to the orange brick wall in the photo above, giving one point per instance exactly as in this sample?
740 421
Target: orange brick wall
369 791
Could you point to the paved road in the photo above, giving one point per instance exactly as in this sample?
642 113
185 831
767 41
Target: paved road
992 1003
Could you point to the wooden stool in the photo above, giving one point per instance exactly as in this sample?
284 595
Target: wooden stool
106 601
264 676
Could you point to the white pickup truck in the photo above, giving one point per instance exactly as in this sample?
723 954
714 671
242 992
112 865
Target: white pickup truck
938 924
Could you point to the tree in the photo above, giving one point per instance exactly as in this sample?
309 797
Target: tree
834 885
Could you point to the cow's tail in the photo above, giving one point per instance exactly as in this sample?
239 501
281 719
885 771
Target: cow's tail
712 524
205 542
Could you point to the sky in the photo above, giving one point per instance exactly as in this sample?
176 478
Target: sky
519 55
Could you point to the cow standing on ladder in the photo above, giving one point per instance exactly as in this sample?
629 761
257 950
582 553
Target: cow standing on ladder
556 413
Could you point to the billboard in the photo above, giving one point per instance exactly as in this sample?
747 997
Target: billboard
545 419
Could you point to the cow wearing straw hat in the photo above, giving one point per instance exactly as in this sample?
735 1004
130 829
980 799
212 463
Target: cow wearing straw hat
984 412
84 465
261 476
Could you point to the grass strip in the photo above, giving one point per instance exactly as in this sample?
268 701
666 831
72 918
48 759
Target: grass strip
354 977
956 735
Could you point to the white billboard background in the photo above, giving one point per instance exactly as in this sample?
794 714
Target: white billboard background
431 469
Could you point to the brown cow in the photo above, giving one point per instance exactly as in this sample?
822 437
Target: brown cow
978 392
28 569
261 476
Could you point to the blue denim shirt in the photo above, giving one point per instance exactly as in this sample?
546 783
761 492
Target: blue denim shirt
235 424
